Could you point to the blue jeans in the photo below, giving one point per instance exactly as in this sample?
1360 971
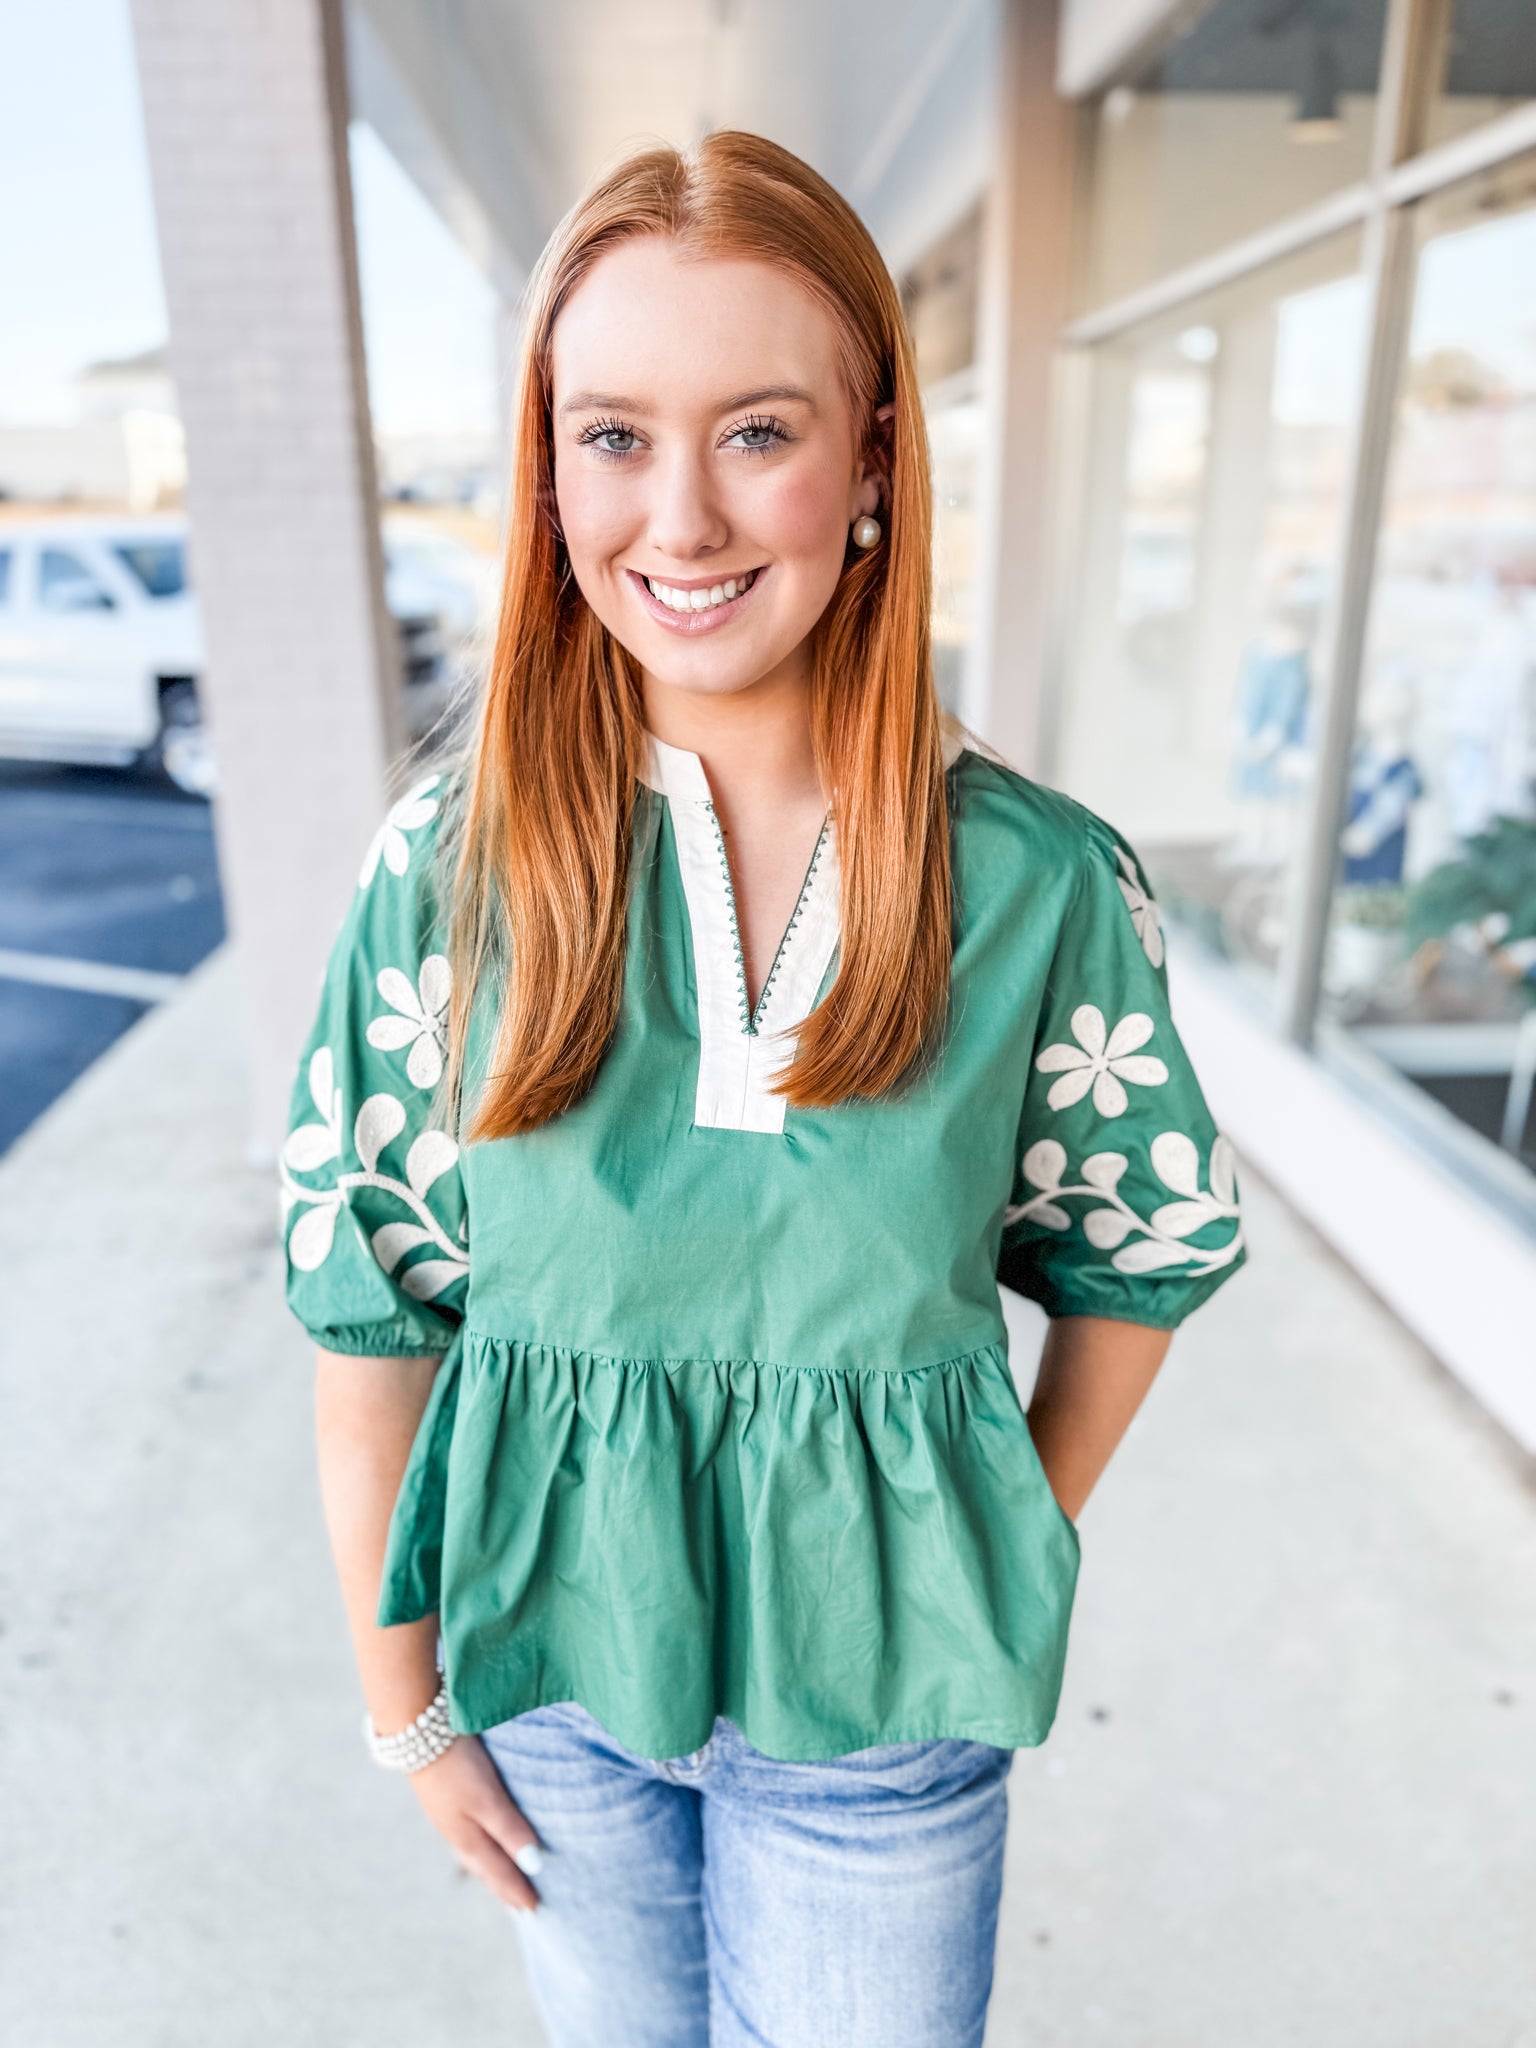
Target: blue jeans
725 1899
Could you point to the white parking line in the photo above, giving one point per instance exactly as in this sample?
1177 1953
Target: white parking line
90 977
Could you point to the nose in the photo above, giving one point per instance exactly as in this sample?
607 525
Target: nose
687 519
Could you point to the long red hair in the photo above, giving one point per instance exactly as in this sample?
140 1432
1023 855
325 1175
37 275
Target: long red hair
540 878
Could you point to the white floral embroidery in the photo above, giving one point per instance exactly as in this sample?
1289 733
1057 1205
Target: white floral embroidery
1101 1062
419 1022
1158 1239
389 844
1143 910
310 1145
380 1120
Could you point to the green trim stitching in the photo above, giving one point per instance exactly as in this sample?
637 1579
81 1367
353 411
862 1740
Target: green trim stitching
743 1007
750 1016
794 919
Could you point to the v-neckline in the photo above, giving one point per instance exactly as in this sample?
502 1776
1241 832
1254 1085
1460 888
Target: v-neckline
752 1013
743 1046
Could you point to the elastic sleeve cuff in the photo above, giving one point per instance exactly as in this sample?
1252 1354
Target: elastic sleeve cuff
401 1339
1121 1300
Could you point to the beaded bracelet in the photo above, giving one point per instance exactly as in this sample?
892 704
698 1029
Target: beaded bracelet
416 1746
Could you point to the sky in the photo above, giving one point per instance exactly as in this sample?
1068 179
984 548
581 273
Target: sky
79 267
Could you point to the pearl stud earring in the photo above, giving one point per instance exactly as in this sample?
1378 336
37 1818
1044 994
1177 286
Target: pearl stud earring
866 531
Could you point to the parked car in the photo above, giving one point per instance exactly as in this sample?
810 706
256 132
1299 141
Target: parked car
101 646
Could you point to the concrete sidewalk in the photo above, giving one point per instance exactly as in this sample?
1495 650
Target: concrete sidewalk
1291 1796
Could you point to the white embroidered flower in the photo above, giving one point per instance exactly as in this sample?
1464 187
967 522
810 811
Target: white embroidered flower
419 1019
1143 910
1102 1062
389 844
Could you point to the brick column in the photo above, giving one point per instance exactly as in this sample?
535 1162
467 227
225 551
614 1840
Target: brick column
245 108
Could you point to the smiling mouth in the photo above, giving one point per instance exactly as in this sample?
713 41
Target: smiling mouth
701 598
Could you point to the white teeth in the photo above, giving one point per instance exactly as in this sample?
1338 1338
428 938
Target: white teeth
700 600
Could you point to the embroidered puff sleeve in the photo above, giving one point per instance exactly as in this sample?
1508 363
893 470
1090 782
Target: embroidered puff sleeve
378 1256
1125 1200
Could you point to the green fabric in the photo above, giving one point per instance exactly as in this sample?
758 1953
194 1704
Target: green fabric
731 1429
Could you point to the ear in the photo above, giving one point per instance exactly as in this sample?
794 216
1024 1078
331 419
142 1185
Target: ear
874 486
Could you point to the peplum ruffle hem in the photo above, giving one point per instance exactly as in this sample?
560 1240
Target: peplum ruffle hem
829 1559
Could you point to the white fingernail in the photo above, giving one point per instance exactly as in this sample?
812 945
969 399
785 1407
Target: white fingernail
529 1859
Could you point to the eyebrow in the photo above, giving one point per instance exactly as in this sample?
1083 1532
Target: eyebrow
608 401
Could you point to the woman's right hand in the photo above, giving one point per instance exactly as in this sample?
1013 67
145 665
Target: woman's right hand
465 1800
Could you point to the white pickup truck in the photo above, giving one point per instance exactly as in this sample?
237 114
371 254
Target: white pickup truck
101 644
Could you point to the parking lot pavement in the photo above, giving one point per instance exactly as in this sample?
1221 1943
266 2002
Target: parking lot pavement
109 893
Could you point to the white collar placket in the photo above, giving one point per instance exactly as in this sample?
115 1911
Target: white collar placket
741 1055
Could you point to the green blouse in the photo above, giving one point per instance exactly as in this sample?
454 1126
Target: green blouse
725 1423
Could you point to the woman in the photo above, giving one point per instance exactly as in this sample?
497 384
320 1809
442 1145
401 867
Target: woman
670 1398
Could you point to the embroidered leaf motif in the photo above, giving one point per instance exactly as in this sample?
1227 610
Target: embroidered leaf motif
381 1118
1183 1219
379 1121
310 1244
1176 1162
1104 1169
429 1158
1224 1171
1138 1244
1044 1163
1106 1228
392 1241
1148 1256
428 1277
323 1092
309 1146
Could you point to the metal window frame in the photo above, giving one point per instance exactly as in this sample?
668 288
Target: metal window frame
1383 206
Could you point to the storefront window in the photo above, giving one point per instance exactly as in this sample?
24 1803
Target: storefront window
1432 950
1218 459
1250 115
1486 66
